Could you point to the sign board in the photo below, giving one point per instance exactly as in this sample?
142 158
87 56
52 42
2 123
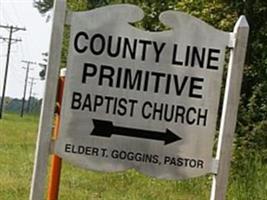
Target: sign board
138 99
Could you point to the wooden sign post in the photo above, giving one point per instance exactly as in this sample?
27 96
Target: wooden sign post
48 106
230 108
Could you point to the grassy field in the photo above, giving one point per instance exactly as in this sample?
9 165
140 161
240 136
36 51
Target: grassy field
17 145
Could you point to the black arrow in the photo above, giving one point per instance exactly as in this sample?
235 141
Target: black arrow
106 129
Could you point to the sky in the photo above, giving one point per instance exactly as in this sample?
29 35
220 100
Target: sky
35 41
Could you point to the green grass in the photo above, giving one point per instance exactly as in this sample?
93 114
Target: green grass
17 146
127 185
249 182
17 137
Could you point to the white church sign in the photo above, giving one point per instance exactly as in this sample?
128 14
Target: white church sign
142 100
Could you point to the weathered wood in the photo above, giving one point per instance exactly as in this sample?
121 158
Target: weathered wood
230 108
48 106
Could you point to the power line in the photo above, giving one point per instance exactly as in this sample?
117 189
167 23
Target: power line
30 95
25 85
12 29
5 39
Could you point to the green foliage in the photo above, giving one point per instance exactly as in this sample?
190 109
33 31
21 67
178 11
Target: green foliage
152 10
248 178
256 69
97 3
77 5
253 109
43 6
217 13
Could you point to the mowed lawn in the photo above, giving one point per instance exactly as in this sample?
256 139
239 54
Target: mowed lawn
17 137
17 146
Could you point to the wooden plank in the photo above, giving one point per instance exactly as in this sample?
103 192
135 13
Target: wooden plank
230 108
48 106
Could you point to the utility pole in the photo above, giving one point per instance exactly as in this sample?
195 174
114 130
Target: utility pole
35 103
12 29
30 95
25 85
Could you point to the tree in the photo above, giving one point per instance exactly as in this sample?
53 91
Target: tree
43 6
